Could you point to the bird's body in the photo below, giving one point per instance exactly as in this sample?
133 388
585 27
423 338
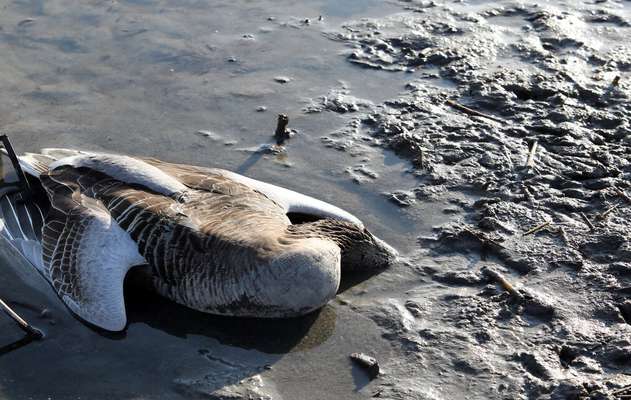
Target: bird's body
212 240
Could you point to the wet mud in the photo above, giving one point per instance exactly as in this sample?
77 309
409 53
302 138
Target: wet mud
488 142
519 116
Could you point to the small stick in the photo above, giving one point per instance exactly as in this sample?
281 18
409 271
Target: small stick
530 162
563 234
26 327
587 221
528 195
499 278
281 129
537 228
604 214
616 81
471 111
622 194
622 390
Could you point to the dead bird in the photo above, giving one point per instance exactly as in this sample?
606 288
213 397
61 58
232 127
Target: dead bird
207 238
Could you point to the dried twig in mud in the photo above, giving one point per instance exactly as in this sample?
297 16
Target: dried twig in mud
528 195
482 238
622 194
281 133
561 232
537 228
26 327
587 221
530 162
622 390
603 215
499 278
616 81
473 112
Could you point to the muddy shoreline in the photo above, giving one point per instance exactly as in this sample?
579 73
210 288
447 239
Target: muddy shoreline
480 139
534 131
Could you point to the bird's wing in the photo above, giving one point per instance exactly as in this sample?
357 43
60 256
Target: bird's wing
290 201
86 254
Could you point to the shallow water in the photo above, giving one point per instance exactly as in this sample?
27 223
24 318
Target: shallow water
143 77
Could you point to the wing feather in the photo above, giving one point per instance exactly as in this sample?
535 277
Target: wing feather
222 181
86 254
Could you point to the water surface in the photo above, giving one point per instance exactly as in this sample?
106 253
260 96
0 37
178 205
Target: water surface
143 77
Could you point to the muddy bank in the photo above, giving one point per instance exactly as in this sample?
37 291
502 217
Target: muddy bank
519 117
198 83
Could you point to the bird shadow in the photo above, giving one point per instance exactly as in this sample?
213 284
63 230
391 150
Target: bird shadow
249 162
354 278
267 335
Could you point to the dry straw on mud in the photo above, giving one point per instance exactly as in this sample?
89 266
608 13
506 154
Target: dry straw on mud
537 228
501 280
471 111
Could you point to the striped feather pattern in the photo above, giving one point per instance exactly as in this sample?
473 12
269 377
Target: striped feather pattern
22 224
217 245
191 241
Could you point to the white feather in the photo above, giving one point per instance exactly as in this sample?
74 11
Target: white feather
106 253
125 169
